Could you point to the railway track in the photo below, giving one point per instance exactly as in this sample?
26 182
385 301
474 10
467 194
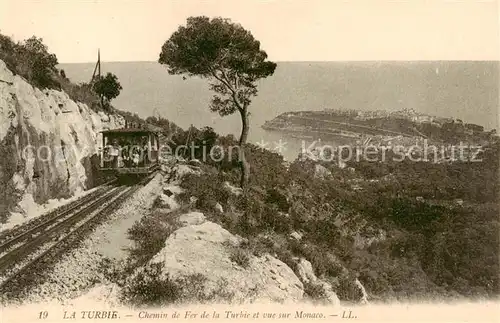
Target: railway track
23 257
53 215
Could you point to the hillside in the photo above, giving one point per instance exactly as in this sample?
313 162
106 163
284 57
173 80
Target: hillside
375 232
49 132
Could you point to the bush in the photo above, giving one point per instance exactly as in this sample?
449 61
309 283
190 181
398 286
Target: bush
347 290
31 60
194 291
81 92
150 288
149 235
314 291
208 188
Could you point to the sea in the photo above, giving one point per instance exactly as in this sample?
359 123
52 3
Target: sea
468 90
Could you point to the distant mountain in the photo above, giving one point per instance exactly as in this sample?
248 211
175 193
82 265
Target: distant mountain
463 89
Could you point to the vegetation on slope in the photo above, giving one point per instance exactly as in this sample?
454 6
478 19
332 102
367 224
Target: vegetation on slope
407 230
32 60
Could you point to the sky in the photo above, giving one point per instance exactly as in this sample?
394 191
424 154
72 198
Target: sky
289 30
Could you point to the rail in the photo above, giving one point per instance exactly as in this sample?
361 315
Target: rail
53 215
68 232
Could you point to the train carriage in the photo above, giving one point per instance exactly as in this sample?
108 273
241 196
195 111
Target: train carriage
129 153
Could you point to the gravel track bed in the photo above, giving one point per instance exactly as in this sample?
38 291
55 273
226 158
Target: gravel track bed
50 241
49 213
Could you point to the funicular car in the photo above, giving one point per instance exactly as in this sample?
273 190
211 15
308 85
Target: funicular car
129 152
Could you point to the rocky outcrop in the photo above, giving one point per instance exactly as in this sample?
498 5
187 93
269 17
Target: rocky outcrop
201 247
321 172
296 235
233 190
182 170
218 207
48 145
305 271
362 291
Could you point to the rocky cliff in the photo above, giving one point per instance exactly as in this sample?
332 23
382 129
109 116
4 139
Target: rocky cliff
204 248
48 146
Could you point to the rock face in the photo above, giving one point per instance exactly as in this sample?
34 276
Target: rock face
364 295
306 273
218 207
296 235
233 190
48 144
204 248
182 170
193 218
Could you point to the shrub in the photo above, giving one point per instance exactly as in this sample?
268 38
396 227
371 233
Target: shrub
149 235
208 188
287 257
150 288
81 92
114 272
318 259
36 64
156 203
240 257
32 60
278 197
314 291
347 290
194 291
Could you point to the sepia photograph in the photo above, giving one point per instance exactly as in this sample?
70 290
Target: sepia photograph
249 160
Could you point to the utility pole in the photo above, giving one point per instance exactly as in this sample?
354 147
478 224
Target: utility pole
97 68
97 74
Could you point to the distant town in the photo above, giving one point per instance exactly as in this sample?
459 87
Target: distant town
403 129
355 124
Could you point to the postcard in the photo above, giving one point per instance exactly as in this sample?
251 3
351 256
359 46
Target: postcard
249 161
